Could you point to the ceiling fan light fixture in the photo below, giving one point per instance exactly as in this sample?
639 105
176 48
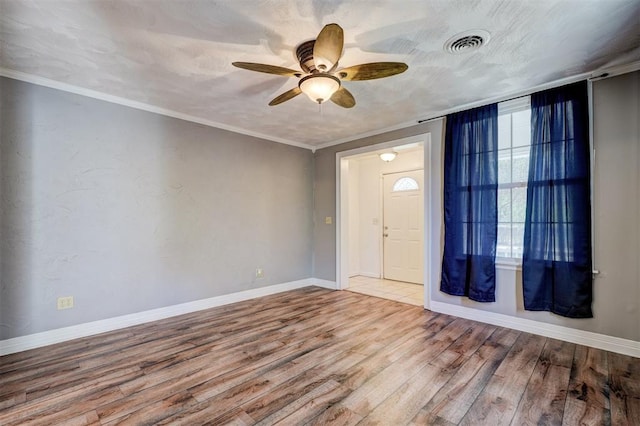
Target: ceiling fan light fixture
388 156
319 87
318 59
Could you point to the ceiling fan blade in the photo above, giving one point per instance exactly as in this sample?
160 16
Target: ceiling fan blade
269 69
371 71
344 98
328 47
289 94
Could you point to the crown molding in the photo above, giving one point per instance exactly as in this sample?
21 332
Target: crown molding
66 87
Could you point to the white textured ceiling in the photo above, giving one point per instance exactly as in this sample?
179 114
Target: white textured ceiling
176 55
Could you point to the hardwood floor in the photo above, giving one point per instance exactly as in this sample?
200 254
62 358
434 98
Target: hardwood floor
314 356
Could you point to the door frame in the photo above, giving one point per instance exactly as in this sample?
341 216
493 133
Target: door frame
342 208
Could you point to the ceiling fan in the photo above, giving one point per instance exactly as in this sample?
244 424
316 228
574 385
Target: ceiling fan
321 80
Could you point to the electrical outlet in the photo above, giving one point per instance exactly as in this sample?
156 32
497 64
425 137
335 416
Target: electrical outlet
259 273
65 302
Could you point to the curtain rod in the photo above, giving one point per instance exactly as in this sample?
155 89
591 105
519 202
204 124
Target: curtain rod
550 85
589 76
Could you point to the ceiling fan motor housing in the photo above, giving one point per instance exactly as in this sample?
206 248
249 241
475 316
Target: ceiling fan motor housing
304 53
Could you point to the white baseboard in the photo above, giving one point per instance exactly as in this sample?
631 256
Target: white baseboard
369 275
331 285
581 337
596 340
36 340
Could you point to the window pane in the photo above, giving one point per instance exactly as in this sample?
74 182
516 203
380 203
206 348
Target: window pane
405 184
520 164
518 239
504 205
519 204
514 142
503 248
504 166
521 128
504 131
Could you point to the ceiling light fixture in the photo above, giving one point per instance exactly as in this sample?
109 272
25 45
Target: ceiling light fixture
319 87
388 156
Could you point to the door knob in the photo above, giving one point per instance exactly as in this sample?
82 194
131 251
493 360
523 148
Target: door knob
385 235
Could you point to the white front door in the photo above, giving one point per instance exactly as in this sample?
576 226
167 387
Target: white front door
403 207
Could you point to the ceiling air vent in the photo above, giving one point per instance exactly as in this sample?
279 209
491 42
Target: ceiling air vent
467 41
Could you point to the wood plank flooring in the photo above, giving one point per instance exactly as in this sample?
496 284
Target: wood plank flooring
314 356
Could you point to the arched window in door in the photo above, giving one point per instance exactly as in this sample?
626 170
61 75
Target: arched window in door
405 184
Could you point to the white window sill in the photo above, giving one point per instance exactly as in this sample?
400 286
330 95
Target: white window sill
509 263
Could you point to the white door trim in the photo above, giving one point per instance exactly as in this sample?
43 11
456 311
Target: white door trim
342 213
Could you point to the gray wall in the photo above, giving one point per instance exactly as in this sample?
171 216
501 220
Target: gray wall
617 201
128 210
616 210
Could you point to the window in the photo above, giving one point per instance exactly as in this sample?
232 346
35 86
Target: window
514 141
405 184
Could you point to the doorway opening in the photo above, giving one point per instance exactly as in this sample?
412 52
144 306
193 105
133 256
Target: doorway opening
382 217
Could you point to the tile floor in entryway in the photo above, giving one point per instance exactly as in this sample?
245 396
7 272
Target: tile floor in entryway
387 289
